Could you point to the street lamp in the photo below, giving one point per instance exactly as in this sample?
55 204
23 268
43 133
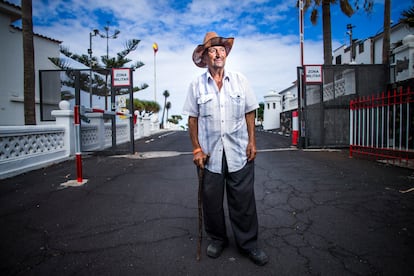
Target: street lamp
95 32
108 36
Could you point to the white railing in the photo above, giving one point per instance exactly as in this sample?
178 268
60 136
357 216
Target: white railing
25 148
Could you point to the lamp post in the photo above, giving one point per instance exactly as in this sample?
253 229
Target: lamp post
95 32
108 36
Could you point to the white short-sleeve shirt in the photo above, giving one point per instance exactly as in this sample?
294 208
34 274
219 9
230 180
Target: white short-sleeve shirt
221 118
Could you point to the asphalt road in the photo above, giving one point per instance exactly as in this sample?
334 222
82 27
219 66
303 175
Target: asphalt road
320 213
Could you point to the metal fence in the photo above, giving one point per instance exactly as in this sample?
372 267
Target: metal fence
324 107
382 126
88 89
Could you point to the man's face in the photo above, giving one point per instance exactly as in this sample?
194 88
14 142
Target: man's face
216 57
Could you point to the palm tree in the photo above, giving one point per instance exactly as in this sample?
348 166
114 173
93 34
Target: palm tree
28 57
386 36
147 106
168 106
346 8
408 16
175 119
166 94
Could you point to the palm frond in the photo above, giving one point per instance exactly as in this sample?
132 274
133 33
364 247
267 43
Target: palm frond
408 17
346 8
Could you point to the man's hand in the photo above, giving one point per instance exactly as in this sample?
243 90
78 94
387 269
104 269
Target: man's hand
251 146
251 151
200 159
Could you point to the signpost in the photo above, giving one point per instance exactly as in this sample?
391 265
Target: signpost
122 77
313 74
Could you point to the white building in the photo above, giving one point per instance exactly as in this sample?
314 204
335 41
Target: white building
289 98
272 109
369 50
11 55
366 51
361 53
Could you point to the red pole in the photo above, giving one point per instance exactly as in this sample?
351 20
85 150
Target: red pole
295 128
301 31
77 144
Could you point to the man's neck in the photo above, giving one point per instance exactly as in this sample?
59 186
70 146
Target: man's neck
217 75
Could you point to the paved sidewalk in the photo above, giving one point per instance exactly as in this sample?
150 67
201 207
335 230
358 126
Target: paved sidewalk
320 213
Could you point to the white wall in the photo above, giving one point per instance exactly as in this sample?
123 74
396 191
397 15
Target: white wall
404 65
11 79
289 98
397 34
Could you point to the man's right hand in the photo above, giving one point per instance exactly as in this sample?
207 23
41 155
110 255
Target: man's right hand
200 159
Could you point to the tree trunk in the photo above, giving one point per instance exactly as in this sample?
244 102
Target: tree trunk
163 112
28 60
327 35
386 33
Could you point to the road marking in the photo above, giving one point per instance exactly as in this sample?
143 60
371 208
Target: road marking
163 154
278 149
150 154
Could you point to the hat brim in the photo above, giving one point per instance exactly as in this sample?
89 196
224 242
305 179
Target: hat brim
215 41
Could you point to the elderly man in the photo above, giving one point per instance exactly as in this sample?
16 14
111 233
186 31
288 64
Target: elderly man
221 109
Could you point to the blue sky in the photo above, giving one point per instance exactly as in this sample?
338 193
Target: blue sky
266 32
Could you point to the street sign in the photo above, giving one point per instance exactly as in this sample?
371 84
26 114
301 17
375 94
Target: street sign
121 77
122 101
313 74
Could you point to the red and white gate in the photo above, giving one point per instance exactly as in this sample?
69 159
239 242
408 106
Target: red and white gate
382 126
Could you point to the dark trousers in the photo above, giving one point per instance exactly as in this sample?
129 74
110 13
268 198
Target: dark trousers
239 187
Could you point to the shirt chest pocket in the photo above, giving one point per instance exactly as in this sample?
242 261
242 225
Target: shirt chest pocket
206 105
237 102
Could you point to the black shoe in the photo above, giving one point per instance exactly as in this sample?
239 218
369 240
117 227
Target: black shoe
257 256
215 248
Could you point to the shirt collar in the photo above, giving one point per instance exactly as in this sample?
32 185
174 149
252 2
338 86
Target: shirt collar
225 77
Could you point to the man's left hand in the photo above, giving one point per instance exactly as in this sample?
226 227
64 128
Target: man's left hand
251 152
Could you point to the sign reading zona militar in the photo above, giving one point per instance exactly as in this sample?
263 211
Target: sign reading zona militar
313 74
121 77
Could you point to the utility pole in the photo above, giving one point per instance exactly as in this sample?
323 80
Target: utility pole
108 36
94 33
349 27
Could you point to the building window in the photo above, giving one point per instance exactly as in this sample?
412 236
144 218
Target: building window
392 58
274 105
268 106
338 60
361 48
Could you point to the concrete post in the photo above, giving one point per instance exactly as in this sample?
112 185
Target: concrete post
64 117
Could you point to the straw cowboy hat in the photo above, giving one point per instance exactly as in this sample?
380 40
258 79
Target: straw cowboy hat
211 39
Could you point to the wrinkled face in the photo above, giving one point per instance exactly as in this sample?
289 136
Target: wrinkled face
215 57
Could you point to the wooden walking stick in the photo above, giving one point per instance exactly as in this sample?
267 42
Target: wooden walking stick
200 211
200 171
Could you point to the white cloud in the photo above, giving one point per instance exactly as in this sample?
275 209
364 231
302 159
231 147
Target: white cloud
269 59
